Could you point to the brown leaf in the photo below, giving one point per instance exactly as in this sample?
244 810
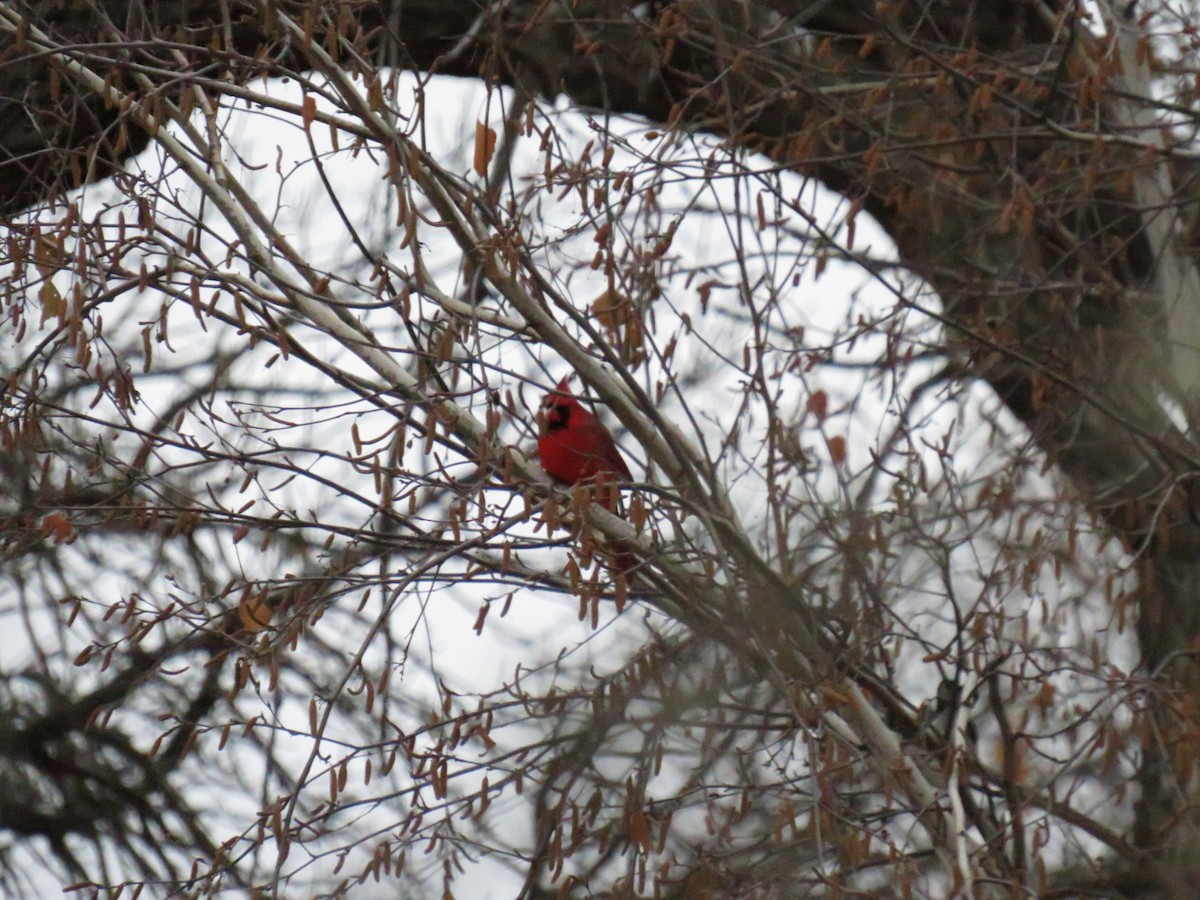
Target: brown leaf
53 304
611 309
818 405
254 615
58 528
837 449
485 147
639 830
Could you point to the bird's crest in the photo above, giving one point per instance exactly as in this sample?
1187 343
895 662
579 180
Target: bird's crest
562 392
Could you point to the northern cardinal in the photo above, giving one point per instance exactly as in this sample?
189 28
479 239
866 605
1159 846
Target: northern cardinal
575 447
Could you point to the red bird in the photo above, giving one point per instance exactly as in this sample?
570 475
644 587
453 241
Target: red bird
574 445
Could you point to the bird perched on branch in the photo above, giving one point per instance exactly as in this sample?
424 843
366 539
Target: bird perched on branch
576 448
574 445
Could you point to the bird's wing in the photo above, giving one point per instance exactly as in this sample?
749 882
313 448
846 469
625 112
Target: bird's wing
607 450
